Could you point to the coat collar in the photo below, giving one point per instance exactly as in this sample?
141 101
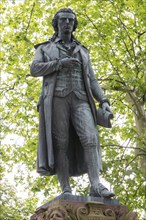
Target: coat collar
77 45
52 50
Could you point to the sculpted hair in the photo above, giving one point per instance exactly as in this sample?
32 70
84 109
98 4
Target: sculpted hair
55 21
60 210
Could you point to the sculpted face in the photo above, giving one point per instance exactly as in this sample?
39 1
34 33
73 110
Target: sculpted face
56 215
65 22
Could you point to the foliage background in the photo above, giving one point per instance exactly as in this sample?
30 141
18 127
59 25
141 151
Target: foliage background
114 33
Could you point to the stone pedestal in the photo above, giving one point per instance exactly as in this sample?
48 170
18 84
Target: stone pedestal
69 207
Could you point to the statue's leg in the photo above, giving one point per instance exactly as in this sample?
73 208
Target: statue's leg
62 167
87 132
86 129
60 132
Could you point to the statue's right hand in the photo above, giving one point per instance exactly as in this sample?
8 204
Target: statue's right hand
69 62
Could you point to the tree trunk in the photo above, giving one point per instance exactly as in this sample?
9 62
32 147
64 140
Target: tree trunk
140 122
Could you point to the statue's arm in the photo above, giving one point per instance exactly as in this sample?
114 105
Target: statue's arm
95 88
40 67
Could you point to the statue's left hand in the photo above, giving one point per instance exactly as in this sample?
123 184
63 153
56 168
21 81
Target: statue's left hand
105 107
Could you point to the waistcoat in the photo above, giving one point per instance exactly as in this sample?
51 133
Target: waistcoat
70 80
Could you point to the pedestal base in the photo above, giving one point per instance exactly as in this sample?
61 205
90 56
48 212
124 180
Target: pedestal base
69 207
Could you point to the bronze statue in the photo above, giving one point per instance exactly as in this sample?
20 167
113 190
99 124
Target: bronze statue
68 139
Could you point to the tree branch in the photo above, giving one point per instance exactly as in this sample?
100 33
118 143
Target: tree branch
137 189
121 146
30 17
140 34
137 105
137 155
8 88
132 45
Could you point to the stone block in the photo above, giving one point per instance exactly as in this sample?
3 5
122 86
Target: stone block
69 207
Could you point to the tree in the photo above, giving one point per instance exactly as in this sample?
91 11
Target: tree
114 33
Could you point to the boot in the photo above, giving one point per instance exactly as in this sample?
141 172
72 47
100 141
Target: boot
97 189
101 191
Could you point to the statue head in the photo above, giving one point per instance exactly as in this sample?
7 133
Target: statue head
57 213
55 19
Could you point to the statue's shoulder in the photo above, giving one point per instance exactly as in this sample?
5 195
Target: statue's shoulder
81 45
85 48
42 44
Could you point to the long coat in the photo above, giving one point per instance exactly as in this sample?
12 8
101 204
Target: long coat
46 64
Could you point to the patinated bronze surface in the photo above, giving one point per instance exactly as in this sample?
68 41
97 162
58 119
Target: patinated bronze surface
68 136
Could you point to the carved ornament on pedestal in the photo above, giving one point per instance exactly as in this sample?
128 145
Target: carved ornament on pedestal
75 210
